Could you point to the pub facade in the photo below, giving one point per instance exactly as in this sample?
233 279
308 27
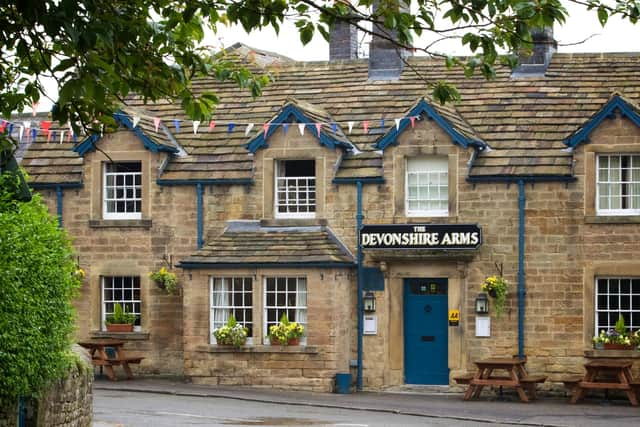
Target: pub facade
344 188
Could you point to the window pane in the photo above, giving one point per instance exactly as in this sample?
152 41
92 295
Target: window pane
231 295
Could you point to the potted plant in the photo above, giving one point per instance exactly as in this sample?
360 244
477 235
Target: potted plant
231 334
286 332
618 338
120 320
496 287
165 280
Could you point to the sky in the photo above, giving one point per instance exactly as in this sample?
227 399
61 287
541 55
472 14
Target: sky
617 36
581 33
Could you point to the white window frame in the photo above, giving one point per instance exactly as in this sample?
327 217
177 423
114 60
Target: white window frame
300 305
625 184
132 305
632 321
230 307
433 167
106 175
299 185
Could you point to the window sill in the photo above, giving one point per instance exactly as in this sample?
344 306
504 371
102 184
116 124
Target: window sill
612 354
120 223
306 349
129 336
620 219
425 219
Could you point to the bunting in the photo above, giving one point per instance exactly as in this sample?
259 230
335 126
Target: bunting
31 129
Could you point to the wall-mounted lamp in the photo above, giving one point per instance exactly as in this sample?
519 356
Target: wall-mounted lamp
482 304
369 302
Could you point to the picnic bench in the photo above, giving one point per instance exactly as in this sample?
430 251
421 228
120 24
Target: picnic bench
516 377
607 374
108 353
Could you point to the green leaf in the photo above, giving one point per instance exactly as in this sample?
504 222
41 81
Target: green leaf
603 15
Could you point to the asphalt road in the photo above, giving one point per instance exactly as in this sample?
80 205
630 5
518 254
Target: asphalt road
122 408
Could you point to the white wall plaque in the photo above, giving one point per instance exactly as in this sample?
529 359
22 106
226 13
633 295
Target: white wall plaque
483 326
370 324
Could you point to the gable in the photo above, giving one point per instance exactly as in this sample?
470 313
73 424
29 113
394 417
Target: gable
150 143
616 104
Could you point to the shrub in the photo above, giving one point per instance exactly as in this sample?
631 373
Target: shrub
37 283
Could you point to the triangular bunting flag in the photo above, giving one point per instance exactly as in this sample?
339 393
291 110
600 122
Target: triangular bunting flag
45 126
54 134
196 124
212 125
34 134
265 128
136 120
318 127
381 123
301 128
334 127
176 124
248 129
27 125
397 123
3 125
350 124
61 136
365 125
412 119
156 123
20 132
69 135
230 127
34 109
285 127
10 128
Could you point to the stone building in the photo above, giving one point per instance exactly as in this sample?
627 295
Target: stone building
534 174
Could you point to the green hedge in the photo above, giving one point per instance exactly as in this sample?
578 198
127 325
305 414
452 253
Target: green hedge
37 284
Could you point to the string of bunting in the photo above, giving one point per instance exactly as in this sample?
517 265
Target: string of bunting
32 129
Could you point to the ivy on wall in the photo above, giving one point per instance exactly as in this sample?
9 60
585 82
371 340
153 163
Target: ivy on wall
37 284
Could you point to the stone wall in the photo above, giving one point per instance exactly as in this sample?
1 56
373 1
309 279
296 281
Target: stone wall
67 402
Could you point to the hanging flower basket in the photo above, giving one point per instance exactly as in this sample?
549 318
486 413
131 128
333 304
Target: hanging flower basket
165 280
496 287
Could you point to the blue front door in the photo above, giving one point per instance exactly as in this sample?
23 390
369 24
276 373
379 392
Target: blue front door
426 331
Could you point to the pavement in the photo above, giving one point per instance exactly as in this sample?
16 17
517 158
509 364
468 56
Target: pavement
433 402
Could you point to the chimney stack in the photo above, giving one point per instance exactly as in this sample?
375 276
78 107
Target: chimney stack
343 41
385 57
543 46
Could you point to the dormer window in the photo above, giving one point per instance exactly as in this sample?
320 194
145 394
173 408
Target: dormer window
618 184
295 195
427 186
122 192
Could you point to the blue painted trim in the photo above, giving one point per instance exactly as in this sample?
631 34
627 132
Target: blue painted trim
616 102
359 218
204 265
524 178
521 285
48 185
199 213
89 144
22 411
371 180
423 107
146 141
284 116
59 195
168 182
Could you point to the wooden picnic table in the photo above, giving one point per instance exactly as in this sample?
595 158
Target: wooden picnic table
101 357
606 374
512 374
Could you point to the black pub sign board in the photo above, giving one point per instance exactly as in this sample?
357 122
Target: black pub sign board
421 236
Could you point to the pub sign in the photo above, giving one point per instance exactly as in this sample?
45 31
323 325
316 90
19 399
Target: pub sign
421 236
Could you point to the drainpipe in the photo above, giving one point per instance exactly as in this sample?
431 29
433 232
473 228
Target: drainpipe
59 195
521 288
200 240
359 218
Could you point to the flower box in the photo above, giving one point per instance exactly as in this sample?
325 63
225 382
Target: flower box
614 346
